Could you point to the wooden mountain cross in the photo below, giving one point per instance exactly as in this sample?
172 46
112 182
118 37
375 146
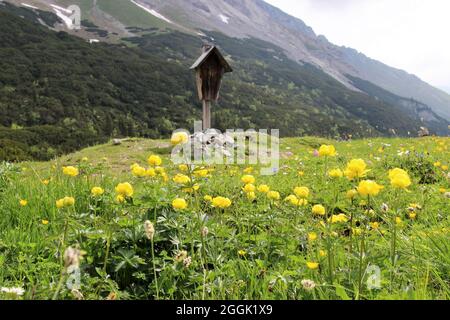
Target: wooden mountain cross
210 68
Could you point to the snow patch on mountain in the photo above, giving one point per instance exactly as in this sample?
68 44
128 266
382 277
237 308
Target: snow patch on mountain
60 13
152 12
28 5
224 18
61 9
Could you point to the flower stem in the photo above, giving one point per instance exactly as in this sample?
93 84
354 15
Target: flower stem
154 270
58 287
361 254
108 246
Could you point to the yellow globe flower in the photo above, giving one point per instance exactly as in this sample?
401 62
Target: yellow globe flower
70 171
399 178
327 151
179 204
336 173
351 194
249 188
138 171
356 168
97 191
68 201
302 202
160 170
312 236
242 253
124 189
263 188
302 192
248 170
120 198
273 195
396 171
401 181
312 265
183 167
369 188
23 203
374 225
154 160
221 202
181 179
201 173
65 202
60 203
150 172
45 182
318 209
251 196
179 138
322 253
194 188
44 222
292 199
338 218
248 179
207 198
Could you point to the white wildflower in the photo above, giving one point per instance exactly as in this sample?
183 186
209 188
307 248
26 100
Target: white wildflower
205 231
187 262
181 256
308 284
16 291
149 229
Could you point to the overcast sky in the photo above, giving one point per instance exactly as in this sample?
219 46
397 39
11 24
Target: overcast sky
413 35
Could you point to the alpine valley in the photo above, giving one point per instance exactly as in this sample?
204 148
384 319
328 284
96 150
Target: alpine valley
126 73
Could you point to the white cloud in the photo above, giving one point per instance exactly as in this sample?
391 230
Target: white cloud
408 34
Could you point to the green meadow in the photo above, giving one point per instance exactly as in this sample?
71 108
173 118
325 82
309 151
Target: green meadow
111 222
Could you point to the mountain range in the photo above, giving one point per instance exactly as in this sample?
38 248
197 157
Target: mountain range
257 19
138 78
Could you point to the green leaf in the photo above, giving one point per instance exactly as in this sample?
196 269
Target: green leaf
341 293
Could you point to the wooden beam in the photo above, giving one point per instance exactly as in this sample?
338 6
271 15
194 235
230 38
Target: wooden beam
206 114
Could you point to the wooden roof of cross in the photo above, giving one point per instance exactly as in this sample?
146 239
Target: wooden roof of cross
213 50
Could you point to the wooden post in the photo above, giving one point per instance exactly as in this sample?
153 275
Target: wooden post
209 68
206 114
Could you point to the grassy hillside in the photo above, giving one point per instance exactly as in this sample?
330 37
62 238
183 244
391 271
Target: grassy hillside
259 246
130 14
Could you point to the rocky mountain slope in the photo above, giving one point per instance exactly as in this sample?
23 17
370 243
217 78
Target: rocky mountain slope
253 18
256 18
